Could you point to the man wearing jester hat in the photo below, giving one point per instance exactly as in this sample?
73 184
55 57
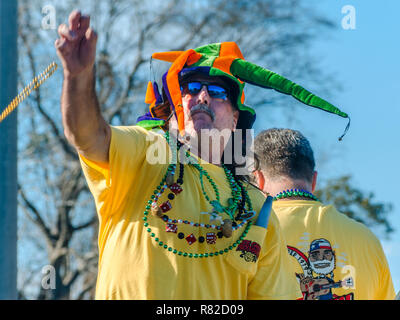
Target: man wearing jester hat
182 228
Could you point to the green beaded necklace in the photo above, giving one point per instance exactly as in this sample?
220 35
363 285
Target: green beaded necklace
234 185
295 193
232 206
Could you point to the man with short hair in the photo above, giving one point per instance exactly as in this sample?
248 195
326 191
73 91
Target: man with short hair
333 256
187 227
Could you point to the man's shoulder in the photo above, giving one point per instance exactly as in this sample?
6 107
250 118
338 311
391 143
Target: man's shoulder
350 224
340 220
325 214
121 135
133 130
357 231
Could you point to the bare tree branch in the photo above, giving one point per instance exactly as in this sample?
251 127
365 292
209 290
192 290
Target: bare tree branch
37 218
87 288
85 225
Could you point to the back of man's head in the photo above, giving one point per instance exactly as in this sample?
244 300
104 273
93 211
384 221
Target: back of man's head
284 153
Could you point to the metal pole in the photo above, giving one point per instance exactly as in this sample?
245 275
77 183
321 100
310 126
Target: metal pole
8 151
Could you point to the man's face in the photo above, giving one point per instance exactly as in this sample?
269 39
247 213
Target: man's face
202 111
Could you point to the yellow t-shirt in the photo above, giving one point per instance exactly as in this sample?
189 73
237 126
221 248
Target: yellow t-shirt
133 265
334 256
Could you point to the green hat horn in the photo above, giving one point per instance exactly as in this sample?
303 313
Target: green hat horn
259 76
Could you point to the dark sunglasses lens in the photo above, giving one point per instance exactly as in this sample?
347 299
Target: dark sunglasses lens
216 91
194 87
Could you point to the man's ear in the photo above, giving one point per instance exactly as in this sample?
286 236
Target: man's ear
314 181
260 179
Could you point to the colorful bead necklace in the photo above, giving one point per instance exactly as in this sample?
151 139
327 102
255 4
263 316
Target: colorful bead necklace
176 189
295 193
236 188
239 195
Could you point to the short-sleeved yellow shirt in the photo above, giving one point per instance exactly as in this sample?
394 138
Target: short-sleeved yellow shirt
335 257
132 265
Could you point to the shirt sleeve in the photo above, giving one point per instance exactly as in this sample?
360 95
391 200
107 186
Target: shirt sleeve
274 279
110 183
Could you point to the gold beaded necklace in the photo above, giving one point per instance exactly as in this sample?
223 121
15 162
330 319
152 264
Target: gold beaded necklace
33 85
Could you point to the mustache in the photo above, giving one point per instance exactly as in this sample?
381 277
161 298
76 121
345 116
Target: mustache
202 108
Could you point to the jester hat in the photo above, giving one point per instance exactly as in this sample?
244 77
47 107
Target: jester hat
221 60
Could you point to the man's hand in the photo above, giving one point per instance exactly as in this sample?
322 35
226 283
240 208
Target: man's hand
76 46
84 126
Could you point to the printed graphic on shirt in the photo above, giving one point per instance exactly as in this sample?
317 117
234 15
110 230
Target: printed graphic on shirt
250 250
317 280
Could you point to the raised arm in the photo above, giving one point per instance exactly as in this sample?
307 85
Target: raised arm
84 126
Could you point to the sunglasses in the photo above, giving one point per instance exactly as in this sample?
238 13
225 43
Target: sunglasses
214 90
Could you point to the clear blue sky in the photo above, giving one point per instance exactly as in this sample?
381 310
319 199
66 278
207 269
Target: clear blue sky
365 62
